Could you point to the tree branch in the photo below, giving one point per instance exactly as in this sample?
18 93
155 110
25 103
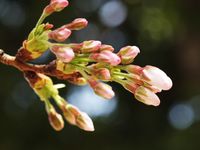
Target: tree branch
49 69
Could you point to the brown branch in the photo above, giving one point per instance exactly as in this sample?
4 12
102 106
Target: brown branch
49 69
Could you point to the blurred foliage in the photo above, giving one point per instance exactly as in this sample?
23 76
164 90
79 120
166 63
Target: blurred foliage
168 34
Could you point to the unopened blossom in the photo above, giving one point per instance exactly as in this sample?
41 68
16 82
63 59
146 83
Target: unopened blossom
55 120
130 86
90 46
75 117
146 96
106 57
102 73
59 5
128 54
55 6
102 89
65 54
60 34
105 47
77 24
156 77
135 69
85 122
70 113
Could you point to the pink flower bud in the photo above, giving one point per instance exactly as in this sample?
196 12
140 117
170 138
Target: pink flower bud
134 69
59 5
90 46
55 6
102 74
106 48
77 24
102 89
128 54
130 86
55 120
107 57
71 113
156 77
146 96
60 34
75 117
65 54
84 122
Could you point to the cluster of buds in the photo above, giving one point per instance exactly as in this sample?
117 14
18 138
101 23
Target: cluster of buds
45 89
94 62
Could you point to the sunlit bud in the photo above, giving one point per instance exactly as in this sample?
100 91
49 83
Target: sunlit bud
152 88
65 54
102 89
71 113
107 57
102 73
90 46
78 81
55 6
59 5
105 47
134 69
77 24
85 122
156 77
128 54
130 86
146 96
55 119
60 34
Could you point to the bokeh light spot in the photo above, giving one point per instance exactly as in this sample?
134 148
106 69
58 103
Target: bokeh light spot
85 99
11 14
181 116
113 13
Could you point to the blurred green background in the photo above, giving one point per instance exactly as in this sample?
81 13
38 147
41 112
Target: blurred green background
168 34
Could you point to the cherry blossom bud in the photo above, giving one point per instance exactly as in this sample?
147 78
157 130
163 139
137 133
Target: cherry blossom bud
156 77
107 57
77 24
134 69
55 6
102 89
84 122
102 73
75 117
70 113
90 46
128 54
55 119
60 34
130 86
59 5
146 96
105 47
65 54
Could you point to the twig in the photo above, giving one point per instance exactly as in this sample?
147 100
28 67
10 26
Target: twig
49 69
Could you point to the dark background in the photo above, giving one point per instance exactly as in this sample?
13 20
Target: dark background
168 34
